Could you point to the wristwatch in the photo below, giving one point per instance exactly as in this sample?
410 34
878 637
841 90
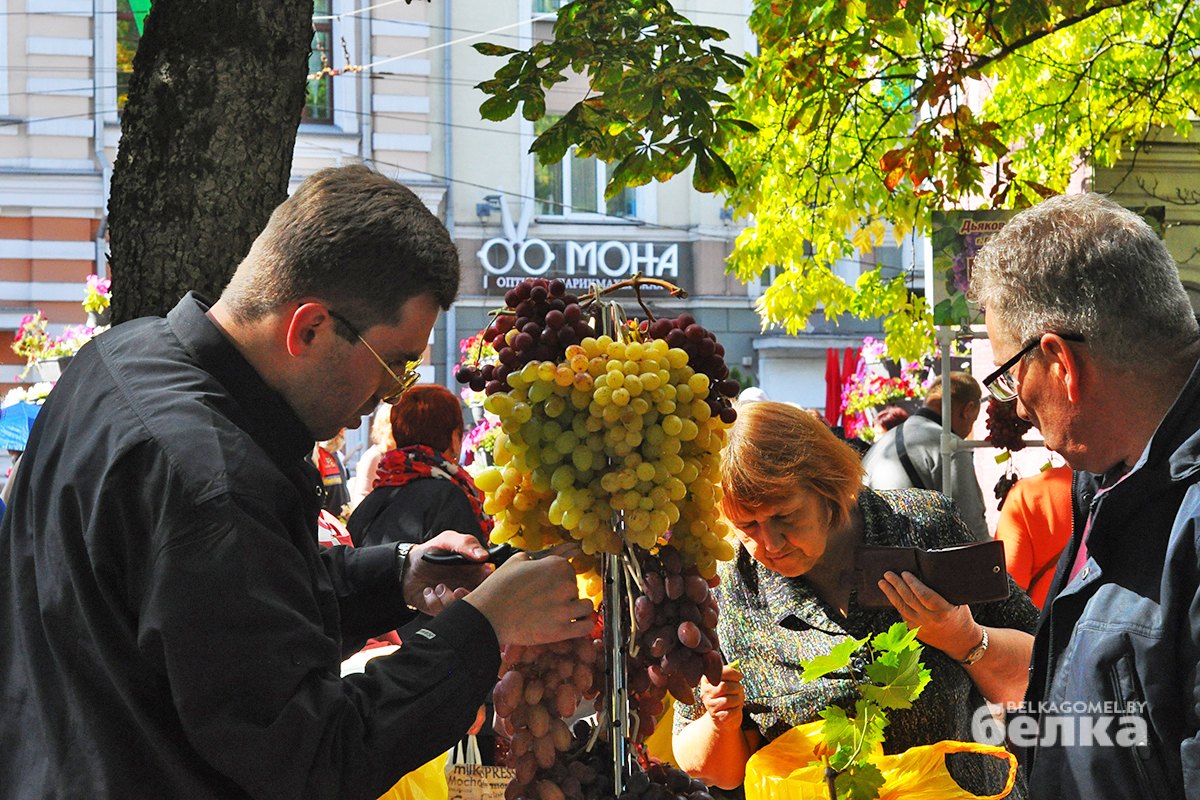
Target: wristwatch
976 652
402 551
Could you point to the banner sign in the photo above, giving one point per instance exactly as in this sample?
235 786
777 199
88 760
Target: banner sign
957 237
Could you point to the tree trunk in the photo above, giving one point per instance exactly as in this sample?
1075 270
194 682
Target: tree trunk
206 144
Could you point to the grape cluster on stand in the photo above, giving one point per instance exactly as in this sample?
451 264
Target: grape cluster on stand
584 772
610 436
540 687
1005 428
675 620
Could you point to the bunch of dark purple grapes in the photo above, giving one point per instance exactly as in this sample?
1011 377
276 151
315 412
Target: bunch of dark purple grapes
676 622
546 321
582 774
705 355
1003 486
1005 428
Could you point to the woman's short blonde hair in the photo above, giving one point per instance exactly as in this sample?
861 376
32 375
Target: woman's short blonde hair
775 449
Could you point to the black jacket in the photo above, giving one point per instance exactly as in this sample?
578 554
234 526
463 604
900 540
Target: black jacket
414 512
171 628
1124 636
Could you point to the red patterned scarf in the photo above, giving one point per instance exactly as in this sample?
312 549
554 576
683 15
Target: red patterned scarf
407 464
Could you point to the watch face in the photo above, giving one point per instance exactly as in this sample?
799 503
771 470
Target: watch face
977 651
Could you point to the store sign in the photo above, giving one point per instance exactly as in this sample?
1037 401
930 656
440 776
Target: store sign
509 259
600 261
957 238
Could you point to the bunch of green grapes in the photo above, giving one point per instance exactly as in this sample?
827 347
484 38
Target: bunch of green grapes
614 427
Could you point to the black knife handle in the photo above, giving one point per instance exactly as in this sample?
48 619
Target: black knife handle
497 554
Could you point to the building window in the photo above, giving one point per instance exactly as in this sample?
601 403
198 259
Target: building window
318 100
547 6
574 187
130 16
756 286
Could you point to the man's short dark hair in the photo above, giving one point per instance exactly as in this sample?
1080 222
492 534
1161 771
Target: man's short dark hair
352 237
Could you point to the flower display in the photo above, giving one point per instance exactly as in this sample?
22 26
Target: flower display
99 294
33 341
873 385
481 440
34 393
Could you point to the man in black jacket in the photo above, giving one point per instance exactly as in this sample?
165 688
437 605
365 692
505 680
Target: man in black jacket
171 628
1097 344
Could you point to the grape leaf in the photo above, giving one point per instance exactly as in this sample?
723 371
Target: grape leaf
861 782
852 739
840 736
897 678
838 658
897 637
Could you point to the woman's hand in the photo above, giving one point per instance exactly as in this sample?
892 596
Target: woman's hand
724 702
714 747
949 628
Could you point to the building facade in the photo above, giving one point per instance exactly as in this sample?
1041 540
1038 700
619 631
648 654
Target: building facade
396 91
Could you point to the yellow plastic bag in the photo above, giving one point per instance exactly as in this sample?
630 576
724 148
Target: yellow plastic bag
427 782
658 744
789 769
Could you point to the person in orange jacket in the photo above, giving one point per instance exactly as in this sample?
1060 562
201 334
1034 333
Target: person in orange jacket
1035 524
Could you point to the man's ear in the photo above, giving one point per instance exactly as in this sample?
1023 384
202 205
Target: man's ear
303 326
1065 365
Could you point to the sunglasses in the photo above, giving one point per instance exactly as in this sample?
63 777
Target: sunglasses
404 381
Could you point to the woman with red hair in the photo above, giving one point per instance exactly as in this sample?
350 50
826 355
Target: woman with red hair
420 490
794 495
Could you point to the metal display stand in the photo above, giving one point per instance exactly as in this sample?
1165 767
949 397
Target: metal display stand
950 443
610 321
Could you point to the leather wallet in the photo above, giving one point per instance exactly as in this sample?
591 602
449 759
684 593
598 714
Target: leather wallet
969 573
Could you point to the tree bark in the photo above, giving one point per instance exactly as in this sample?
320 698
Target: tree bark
206 145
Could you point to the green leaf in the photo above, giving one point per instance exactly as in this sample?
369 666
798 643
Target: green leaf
534 107
862 781
489 49
897 678
852 740
499 107
837 659
898 637
741 124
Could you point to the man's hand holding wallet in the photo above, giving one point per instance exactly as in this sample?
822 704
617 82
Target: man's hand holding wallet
963 575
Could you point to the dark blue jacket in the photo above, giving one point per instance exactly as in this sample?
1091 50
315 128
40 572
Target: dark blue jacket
1118 647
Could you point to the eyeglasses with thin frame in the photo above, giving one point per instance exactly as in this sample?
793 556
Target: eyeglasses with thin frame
1002 384
404 382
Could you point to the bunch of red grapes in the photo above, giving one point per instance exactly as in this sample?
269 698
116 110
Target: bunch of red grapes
583 774
676 622
540 687
547 321
1005 428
